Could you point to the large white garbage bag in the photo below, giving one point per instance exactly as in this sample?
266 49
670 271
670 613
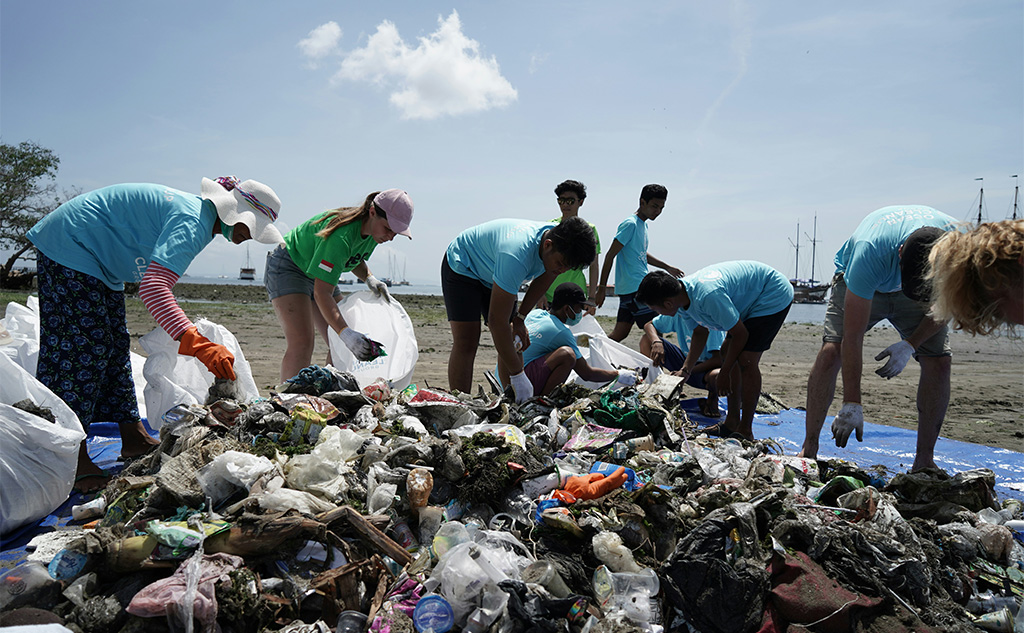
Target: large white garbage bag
173 379
604 353
386 322
38 458
22 324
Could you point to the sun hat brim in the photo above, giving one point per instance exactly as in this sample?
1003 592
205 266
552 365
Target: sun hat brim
232 208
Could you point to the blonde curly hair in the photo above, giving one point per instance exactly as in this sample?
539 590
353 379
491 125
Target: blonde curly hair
971 271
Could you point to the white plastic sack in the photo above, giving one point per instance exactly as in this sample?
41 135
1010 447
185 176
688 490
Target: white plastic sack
22 324
38 458
382 321
173 378
604 353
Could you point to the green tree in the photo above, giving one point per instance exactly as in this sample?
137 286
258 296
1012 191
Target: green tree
28 191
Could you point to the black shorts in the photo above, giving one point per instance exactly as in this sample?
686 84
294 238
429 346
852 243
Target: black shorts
761 331
632 312
466 298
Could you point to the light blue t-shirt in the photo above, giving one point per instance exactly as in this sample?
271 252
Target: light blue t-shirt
547 333
721 295
502 252
684 334
631 261
870 259
114 233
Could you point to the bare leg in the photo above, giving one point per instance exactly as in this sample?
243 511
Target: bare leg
465 341
750 390
135 440
320 323
560 362
821 388
711 381
732 415
932 400
295 313
621 330
88 476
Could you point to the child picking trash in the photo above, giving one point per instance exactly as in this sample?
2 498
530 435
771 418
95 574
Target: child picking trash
302 273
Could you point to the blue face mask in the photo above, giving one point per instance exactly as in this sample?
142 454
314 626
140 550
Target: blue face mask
574 319
227 230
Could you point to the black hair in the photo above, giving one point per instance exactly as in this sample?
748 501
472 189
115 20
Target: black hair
574 186
657 287
653 192
567 293
574 239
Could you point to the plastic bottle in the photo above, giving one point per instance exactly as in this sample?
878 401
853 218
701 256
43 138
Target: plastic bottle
433 614
478 555
544 573
27 584
90 509
634 594
419 483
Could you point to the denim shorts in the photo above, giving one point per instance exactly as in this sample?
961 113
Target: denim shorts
901 311
632 312
283 277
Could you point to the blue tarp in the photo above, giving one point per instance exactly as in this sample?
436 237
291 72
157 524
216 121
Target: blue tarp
891 447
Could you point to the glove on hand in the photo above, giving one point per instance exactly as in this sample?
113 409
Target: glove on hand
378 287
850 418
594 485
216 357
357 343
627 377
899 354
522 386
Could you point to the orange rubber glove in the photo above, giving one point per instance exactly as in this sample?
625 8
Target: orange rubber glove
592 486
216 357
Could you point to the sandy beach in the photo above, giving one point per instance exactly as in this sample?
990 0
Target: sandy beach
986 403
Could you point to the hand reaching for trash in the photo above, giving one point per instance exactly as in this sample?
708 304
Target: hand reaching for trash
627 378
362 348
217 358
899 354
522 386
850 419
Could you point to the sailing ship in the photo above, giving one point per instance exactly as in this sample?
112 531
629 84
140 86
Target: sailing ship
247 273
808 290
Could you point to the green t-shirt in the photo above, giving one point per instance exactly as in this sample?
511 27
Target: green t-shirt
326 259
578 277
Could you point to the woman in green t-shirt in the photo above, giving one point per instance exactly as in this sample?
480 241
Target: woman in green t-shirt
302 273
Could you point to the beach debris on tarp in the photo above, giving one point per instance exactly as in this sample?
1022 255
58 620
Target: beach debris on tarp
329 507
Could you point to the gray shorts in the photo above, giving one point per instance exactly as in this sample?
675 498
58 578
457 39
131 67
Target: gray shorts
284 277
902 312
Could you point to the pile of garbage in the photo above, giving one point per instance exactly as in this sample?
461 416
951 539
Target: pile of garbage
333 508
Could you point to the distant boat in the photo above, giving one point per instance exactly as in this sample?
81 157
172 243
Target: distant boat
808 290
347 281
247 272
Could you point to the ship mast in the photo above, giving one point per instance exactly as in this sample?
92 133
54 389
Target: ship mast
814 244
981 198
796 271
1016 190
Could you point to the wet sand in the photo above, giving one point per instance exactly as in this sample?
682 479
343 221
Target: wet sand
986 402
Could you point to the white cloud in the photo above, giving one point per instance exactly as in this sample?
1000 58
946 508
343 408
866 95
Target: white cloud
321 42
536 60
444 75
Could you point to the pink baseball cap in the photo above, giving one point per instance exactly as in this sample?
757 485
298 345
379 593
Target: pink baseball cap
397 205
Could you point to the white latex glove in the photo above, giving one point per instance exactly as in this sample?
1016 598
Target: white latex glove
522 386
899 354
850 418
518 343
357 343
378 287
627 378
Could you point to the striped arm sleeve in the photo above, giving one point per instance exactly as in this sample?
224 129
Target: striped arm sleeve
156 295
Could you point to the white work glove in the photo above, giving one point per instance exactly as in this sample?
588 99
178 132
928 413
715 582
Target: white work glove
627 378
522 386
357 343
378 287
518 343
850 418
899 354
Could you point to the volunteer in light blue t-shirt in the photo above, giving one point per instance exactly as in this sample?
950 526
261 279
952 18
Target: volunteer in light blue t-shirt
879 276
481 273
553 353
750 301
629 253
93 244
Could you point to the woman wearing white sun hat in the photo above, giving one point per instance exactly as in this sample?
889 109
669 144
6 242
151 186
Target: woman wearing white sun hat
92 245
302 274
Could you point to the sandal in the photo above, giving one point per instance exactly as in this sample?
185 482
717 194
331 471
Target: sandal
717 430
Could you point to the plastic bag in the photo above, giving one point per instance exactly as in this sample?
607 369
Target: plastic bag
604 353
382 321
39 458
22 324
173 378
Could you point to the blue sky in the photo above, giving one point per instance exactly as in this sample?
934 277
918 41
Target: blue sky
755 115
